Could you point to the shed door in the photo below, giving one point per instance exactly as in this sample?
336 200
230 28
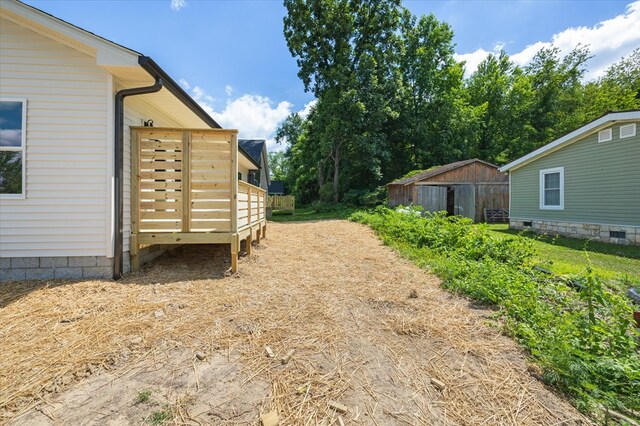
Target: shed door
431 198
465 201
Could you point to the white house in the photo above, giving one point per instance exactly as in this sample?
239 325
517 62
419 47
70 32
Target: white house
65 152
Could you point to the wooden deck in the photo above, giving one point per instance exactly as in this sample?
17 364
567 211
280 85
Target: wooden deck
185 190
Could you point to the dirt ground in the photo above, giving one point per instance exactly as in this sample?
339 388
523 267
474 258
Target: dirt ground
180 342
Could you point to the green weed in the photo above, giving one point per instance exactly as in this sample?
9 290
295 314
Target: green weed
584 340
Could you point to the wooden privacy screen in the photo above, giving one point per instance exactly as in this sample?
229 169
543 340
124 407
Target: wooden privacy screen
182 180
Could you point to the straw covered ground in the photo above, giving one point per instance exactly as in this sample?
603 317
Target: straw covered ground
180 342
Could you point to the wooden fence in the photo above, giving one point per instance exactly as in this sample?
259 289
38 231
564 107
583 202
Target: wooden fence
281 202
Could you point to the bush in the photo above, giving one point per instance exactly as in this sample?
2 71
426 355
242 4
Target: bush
585 340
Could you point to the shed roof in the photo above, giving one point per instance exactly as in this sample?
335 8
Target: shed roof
438 171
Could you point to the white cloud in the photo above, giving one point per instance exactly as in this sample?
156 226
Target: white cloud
255 117
608 42
10 137
307 108
228 89
184 83
178 4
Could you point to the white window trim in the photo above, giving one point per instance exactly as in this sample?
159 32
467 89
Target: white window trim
608 132
546 172
633 126
22 149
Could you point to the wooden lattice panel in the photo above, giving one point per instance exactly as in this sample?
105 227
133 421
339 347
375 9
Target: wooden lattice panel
160 183
210 180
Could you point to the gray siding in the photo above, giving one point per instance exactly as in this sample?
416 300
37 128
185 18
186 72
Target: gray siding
601 182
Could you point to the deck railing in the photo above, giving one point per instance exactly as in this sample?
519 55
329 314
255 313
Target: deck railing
185 190
252 202
282 202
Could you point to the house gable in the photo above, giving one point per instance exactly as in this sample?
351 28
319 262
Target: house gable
601 180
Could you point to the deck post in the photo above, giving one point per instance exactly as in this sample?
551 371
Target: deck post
235 244
249 242
186 181
235 241
135 201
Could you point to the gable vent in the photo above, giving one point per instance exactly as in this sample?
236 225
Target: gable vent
628 131
605 135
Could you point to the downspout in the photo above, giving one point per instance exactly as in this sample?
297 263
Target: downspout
118 174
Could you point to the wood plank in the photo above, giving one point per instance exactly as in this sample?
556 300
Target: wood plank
218 134
221 226
160 134
159 155
177 215
211 146
210 174
215 204
160 175
186 181
162 145
173 224
160 195
160 205
203 186
210 155
148 184
218 194
221 214
185 238
160 165
135 189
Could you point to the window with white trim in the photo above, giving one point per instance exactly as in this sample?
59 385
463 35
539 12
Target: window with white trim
552 189
605 135
628 131
12 147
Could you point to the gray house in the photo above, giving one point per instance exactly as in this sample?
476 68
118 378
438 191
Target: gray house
256 149
585 184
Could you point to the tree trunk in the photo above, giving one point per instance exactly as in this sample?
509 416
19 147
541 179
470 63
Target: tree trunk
336 175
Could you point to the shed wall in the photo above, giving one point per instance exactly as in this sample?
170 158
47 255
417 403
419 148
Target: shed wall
67 173
601 182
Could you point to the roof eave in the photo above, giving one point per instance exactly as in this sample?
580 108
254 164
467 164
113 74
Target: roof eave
150 66
571 137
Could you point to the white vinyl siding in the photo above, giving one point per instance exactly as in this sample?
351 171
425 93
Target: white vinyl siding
67 177
552 189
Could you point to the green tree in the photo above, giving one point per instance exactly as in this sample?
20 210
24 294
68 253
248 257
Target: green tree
342 49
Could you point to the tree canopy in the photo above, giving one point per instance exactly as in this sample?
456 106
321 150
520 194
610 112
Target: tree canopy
392 98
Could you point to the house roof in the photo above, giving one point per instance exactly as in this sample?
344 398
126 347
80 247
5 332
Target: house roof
438 171
591 127
253 147
132 68
276 187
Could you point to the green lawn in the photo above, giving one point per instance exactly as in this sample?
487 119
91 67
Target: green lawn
568 255
309 213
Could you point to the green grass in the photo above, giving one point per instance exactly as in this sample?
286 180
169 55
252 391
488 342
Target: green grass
143 397
160 417
309 213
563 255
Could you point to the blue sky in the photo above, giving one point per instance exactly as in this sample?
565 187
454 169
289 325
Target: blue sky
232 57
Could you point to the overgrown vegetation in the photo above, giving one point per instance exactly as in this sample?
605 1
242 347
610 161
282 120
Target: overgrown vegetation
585 341
390 97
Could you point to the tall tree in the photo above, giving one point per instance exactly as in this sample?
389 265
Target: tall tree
342 48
